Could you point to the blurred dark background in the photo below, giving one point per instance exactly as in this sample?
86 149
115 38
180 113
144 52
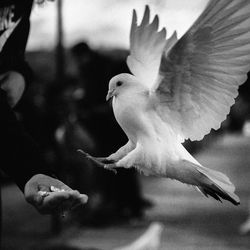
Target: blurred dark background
69 113
65 110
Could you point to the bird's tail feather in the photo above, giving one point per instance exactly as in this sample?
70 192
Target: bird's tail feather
213 183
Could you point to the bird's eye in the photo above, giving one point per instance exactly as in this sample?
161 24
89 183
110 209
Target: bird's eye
119 83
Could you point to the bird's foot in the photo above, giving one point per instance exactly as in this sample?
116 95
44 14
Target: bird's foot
111 167
100 161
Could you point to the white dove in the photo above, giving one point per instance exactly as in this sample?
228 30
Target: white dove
180 89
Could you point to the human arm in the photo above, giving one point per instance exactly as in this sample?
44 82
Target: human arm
22 161
20 158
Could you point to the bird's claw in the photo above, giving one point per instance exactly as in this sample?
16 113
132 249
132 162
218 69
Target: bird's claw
91 158
100 161
111 167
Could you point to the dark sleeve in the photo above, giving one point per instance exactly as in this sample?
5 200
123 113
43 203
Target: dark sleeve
20 156
13 53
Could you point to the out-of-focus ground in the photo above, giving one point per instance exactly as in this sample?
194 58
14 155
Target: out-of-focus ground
191 221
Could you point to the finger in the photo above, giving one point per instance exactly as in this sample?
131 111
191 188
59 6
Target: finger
51 207
32 194
34 199
83 199
55 199
76 199
58 202
65 206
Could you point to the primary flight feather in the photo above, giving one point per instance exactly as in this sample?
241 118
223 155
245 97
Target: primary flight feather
180 89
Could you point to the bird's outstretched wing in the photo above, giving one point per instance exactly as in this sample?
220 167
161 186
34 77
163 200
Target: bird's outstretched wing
146 47
201 74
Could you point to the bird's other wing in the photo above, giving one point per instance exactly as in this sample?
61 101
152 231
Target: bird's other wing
146 47
201 74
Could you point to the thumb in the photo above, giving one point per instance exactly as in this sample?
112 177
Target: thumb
31 194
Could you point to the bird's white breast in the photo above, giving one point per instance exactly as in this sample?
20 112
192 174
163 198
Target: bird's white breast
160 150
130 113
140 121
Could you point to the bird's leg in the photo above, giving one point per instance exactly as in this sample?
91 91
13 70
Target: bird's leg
101 161
121 152
110 161
131 158
111 167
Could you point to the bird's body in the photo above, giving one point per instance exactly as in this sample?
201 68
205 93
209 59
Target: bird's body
130 119
178 90
153 146
149 137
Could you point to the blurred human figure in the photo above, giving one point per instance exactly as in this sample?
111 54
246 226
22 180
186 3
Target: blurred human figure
20 157
67 133
114 195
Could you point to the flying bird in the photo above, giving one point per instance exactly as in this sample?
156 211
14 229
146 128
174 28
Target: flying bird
180 89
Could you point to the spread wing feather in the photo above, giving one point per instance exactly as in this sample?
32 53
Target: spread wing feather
146 47
199 77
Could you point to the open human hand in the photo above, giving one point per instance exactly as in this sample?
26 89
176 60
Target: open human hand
49 195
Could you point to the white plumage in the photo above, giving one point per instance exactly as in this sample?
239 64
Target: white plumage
180 89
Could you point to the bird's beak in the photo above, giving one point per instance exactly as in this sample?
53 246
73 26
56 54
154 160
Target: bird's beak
110 94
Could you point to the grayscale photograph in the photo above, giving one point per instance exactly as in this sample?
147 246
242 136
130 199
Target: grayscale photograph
125 125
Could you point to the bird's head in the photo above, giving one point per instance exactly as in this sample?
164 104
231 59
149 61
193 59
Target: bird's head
120 83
